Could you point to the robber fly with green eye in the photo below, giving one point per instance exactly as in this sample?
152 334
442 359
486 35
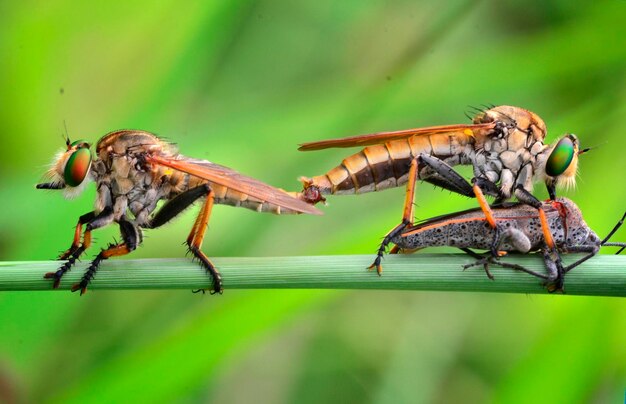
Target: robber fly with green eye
133 170
504 145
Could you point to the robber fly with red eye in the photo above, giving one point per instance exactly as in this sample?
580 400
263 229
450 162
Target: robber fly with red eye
133 170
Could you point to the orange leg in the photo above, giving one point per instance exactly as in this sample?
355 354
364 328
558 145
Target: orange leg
132 237
194 230
202 221
93 222
409 196
75 253
77 232
75 242
546 229
526 197
484 205
196 237
113 251
407 216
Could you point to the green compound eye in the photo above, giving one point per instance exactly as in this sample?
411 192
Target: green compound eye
560 158
77 167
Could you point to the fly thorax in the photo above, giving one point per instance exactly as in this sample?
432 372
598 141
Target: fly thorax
487 164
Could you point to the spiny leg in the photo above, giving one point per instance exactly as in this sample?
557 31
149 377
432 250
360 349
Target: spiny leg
407 216
131 236
194 240
93 222
197 237
194 230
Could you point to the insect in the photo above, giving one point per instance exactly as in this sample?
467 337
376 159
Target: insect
504 145
133 170
520 232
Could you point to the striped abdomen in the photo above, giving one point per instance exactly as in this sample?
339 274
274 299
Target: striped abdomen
386 165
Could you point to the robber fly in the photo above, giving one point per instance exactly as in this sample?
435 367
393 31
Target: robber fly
520 232
504 145
133 170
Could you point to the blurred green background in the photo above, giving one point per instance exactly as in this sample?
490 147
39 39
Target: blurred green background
242 83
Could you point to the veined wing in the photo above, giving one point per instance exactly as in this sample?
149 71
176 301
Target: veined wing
475 130
232 179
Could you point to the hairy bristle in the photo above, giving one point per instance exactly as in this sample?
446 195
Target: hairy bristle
567 182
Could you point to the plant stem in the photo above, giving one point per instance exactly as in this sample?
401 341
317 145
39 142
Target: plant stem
603 275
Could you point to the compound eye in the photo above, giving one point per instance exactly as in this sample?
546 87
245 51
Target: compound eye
560 158
77 167
79 144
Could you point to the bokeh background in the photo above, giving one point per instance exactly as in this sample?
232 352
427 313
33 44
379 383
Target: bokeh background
242 83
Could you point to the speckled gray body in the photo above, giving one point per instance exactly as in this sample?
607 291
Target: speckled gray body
520 226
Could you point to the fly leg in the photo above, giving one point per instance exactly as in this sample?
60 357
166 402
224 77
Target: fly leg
92 222
196 236
486 260
517 239
526 197
480 260
407 216
446 177
132 238
84 219
554 259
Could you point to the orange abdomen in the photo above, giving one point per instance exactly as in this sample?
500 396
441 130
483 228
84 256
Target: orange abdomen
386 165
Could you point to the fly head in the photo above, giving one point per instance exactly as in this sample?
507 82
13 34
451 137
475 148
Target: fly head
71 169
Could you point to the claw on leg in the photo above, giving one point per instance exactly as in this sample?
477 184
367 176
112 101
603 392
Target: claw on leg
195 239
484 262
210 268
376 264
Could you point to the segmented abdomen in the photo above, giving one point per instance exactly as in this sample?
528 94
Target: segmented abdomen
386 165
227 196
